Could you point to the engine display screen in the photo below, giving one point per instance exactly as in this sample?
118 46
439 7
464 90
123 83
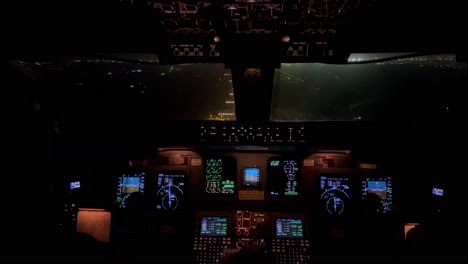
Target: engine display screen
335 194
128 184
283 177
220 175
251 177
289 228
171 187
382 187
214 226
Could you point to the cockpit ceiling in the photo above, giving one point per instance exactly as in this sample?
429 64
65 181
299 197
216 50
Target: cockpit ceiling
219 31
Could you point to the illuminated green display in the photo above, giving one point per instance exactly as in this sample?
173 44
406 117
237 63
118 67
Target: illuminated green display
284 177
220 174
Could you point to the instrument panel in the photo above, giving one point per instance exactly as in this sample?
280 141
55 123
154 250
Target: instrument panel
255 181
237 199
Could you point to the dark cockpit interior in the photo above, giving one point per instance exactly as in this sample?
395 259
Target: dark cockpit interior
296 131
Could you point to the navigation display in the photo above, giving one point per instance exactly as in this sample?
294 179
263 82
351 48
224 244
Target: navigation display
251 177
220 175
335 194
289 228
283 177
382 187
128 184
213 226
171 186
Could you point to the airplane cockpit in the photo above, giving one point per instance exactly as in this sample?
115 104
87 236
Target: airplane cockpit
234 131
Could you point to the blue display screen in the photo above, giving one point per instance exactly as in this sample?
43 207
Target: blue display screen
75 185
438 192
251 176
377 187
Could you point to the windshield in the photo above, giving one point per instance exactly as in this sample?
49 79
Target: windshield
412 88
415 88
129 90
